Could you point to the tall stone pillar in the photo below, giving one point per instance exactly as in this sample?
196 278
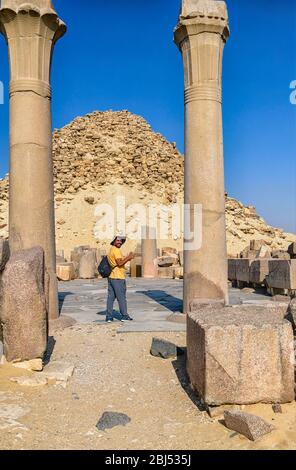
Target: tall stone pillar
200 35
149 253
31 31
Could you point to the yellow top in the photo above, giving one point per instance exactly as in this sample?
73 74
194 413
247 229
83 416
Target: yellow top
114 254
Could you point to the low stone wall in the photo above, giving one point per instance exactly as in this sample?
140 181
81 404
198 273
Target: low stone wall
277 273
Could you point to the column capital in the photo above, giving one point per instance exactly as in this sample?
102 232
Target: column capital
31 31
201 16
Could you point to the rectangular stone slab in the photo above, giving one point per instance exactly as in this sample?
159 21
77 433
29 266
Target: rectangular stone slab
259 270
166 273
136 267
243 270
240 355
65 271
210 8
282 274
232 262
292 249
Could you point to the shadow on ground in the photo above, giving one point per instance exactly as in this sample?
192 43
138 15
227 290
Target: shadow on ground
116 314
50 348
62 297
164 299
180 369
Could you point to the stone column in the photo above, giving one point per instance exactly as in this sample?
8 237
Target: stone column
31 31
200 35
149 253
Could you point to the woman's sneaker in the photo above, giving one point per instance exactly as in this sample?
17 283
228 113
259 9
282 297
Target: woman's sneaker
126 318
109 320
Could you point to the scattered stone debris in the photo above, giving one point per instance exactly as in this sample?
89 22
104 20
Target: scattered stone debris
111 419
32 381
276 407
56 373
250 426
162 348
35 365
89 200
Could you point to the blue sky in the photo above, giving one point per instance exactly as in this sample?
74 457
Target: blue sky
119 54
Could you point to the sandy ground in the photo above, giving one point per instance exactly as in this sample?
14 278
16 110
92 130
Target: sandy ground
115 372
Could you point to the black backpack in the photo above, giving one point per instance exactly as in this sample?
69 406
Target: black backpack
104 267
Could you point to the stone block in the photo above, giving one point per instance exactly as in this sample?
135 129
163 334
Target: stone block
162 348
282 274
4 253
240 355
33 365
179 272
247 253
181 258
166 262
76 256
23 306
168 251
66 272
112 419
88 265
166 273
58 371
258 271
280 254
232 262
292 250
264 307
257 244
250 426
264 252
60 260
243 270
136 267
277 409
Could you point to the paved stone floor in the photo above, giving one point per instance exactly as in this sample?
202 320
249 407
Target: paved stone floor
151 303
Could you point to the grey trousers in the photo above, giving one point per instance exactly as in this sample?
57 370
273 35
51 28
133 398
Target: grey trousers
116 290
